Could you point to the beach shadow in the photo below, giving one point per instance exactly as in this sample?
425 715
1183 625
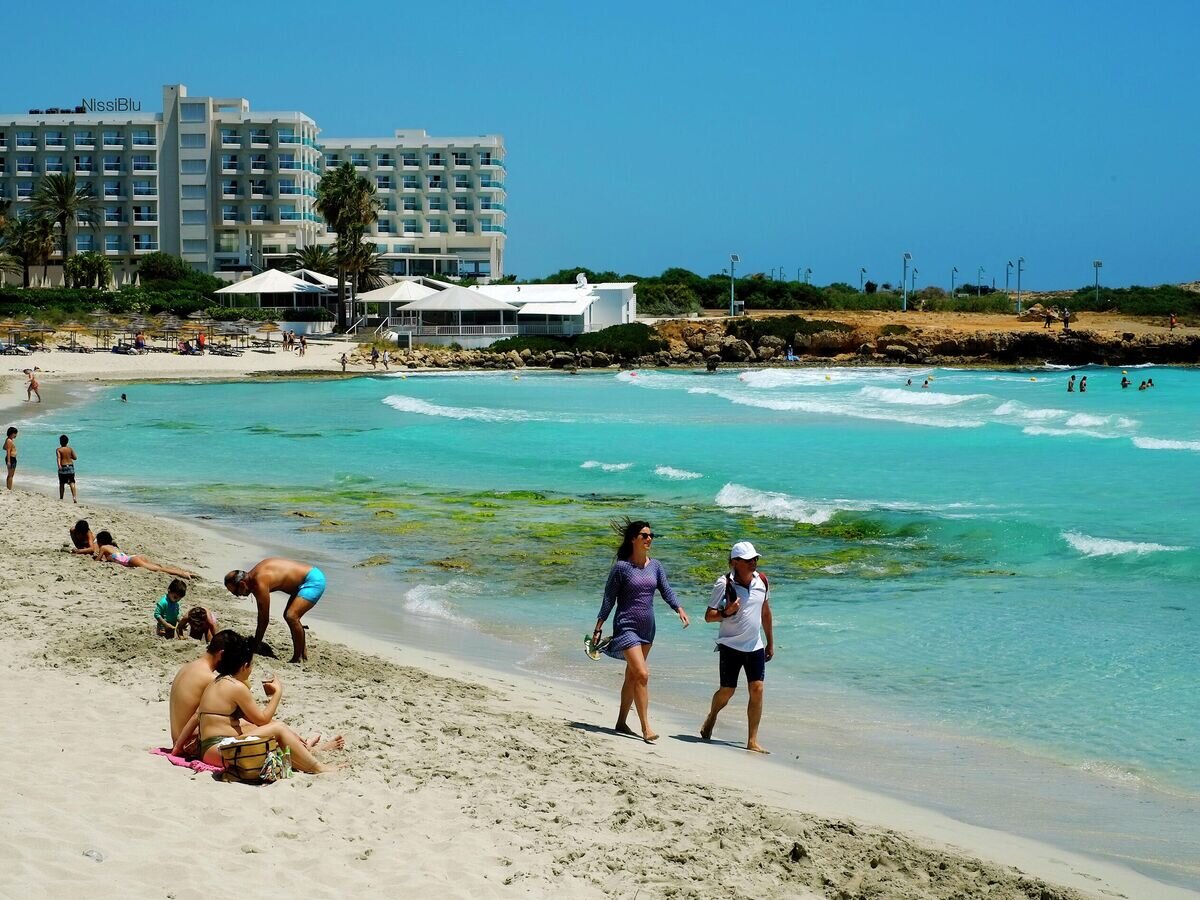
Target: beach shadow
696 739
593 728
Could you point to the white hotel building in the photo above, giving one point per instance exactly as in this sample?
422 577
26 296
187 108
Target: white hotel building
232 190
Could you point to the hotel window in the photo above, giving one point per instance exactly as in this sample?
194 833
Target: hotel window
24 190
287 187
53 164
229 213
358 160
84 243
462 226
258 161
112 165
229 162
83 164
195 247
227 242
485 158
143 163
194 216
143 137
258 212
403 248
462 181
436 183
2 164
385 226
385 160
259 136
437 226
186 141
411 226
193 192
25 165
144 214
287 161
258 186
287 137
436 159
112 189
25 139
230 136
114 215
383 182
229 187
410 182
192 112
437 203
412 204
409 160
192 167
112 243
462 204
113 138
462 159
332 160
144 189
287 213
84 139
56 139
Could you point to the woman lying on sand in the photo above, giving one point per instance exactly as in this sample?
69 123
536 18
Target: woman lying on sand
83 539
107 551
227 701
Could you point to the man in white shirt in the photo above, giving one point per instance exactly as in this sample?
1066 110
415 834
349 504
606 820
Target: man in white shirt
740 602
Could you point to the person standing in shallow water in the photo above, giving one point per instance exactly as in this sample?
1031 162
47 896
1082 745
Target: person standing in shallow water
631 584
10 456
65 458
1071 385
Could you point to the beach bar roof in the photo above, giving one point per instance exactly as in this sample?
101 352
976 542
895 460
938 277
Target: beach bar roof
400 292
272 281
314 277
457 299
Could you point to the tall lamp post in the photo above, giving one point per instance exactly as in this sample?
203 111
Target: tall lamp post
979 282
772 273
914 280
1097 264
733 261
1007 272
1020 266
807 273
797 273
861 273
904 284
953 272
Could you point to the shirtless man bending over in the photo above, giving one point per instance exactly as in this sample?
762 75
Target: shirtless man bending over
304 585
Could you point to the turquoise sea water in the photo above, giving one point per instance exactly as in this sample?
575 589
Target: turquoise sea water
990 563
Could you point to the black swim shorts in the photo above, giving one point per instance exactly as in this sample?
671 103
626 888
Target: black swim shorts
733 661
65 478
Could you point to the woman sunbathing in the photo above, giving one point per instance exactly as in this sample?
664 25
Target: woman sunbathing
228 710
107 551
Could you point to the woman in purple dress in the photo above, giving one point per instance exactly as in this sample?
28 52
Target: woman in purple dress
631 585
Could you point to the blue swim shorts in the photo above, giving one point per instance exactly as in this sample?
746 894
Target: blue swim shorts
313 586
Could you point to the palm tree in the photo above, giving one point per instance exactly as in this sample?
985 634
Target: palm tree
364 266
61 199
29 240
315 258
347 203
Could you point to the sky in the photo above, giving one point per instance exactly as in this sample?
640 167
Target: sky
799 135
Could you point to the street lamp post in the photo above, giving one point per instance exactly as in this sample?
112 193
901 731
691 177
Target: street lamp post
953 272
772 273
1007 272
1020 266
807 272
979 282
904 284
797 273
861 272
734 259
914 280
1097 264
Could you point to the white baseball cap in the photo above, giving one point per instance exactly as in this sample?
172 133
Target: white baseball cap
743 550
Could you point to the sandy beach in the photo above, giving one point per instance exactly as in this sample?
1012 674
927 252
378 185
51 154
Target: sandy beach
459 780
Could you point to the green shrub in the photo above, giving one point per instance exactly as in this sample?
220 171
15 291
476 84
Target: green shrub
1137 300
532 342
785 327
624 341
993 303
666 300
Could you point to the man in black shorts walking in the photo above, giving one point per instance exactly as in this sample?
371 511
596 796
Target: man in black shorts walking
740 602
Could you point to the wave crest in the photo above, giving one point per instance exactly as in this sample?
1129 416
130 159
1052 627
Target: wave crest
1097 546
676 474
475 413
606 467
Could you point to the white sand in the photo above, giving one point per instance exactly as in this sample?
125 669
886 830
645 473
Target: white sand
458 781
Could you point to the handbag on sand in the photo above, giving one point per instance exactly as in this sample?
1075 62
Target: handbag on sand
256 760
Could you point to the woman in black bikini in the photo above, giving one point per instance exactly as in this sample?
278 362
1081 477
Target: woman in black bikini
227 702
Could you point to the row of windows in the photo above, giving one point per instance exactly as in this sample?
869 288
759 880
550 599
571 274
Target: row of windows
138 137
114 165
409 159
435 183
115 243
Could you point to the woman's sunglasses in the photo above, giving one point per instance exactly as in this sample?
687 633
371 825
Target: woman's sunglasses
647 535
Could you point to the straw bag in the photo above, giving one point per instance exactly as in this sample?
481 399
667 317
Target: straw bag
256 760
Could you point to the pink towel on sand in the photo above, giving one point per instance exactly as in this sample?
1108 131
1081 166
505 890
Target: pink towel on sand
194 764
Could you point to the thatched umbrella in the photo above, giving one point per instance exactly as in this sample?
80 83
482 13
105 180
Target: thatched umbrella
74 329
267 328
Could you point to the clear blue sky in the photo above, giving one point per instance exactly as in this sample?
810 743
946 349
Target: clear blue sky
645 135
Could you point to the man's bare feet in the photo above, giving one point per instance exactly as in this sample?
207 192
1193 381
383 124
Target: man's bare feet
756 747
649 737
623 728
706 729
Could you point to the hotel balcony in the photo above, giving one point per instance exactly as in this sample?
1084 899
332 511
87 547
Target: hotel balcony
145 191
114 195
114 222
491 164
145 167
487 184
493 229
114 143
3 143
144 141
145 218
59 144
145 247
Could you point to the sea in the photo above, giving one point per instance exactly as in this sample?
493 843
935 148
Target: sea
986 590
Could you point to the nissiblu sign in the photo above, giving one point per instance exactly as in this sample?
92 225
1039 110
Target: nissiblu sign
116 104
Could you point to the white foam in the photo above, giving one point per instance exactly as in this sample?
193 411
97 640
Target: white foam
1096 546
433 600
767 379
1019 410
676 474
1149 443
1085 420
476 413
1067 432
1111 772
772 505
918 397
606 467
834 407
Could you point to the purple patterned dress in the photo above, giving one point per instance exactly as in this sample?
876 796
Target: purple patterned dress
632 590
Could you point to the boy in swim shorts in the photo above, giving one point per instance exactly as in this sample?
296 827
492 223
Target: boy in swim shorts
10 456
303 583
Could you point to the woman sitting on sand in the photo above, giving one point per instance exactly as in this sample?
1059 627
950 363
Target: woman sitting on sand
227 701
83 539
631 585
107 551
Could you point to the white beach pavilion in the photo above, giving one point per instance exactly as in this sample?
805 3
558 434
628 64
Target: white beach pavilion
386 303
562 309
279 290
456 315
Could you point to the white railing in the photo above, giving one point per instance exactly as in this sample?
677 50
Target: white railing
551 328
454 330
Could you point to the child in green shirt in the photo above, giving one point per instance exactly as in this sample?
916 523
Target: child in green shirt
166 610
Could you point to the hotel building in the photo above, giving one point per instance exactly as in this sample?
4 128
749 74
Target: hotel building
232 190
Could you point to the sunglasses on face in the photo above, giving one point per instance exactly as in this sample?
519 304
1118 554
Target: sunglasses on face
647 535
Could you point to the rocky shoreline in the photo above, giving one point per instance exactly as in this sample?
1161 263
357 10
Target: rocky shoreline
698 343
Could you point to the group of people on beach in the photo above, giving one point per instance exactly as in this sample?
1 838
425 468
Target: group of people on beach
102 547
739 602
64 460
298 343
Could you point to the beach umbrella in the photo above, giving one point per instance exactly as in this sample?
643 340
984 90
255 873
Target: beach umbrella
74 329
267 328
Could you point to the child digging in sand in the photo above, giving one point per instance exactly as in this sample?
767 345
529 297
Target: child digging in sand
166 610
